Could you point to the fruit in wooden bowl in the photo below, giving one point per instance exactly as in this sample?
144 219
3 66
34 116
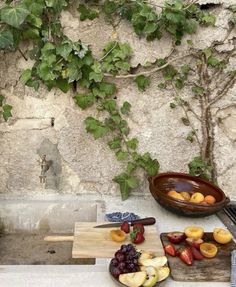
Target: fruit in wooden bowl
211 200
132 268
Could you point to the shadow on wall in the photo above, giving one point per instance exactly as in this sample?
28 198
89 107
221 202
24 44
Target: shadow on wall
53 157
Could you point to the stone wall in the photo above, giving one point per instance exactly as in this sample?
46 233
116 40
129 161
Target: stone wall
82 165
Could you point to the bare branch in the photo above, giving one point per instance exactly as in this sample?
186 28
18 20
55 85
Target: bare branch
221 93
147 73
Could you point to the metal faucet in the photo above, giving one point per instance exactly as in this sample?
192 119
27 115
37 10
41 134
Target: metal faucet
45 165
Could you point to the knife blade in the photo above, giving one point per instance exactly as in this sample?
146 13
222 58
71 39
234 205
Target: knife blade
144 221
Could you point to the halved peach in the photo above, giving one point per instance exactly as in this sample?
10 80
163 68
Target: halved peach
117 235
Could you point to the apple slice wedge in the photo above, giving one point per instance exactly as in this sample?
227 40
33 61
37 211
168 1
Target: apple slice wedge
152 276
163 273
156 262
134 279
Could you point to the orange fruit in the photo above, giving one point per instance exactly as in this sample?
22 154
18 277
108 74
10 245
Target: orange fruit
194 232
117 235
208 250
185 195
222 236
176 195
210 199
197 197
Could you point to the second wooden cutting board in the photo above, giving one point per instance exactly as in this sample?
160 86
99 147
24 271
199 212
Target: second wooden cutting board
90 242
214 269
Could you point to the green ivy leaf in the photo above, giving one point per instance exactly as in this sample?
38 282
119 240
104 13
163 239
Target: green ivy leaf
63 85
6 39
126 183
84 100
132 144
191 26
208 19
87 13
25 76
125 109
107 88
33 84
207 52
198 90
64 50
173 105
2 98
198 167
97 77
95 127
142 82
57 5
110 106
131 167
212 61
6 113
109 7
121 155
14 16
115 143
31 33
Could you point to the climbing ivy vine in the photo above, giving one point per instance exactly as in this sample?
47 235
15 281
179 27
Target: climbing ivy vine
61 63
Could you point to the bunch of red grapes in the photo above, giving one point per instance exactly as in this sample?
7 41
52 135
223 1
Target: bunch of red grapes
125 260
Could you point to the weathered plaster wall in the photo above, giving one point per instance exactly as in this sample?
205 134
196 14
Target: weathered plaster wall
82 165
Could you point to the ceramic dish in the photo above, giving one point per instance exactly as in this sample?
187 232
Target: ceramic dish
160 184
118 283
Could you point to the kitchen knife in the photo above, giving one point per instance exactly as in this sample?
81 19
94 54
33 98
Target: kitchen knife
144 221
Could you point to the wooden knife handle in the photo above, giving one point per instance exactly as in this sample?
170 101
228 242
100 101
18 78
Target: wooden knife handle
57 238
144 221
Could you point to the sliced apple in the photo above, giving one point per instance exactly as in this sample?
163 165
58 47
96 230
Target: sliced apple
134 279
145 255
151 278
156 262
163 273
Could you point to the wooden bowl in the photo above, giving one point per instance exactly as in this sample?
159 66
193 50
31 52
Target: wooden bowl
160 184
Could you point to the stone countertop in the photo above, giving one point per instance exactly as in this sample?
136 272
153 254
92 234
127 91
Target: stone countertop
97 276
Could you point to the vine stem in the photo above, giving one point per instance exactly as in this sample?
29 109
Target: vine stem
116 43
22 54
146 73
186 114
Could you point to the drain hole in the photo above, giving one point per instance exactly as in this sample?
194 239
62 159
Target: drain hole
51 251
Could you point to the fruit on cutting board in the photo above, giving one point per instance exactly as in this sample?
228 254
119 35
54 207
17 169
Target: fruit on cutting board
196 253
125 226
156 262
137 237
222 236
208 250
194 232
138 227
151 278
170 249
197 197
194 242
117 235
186 256
134 279
176 195
176 237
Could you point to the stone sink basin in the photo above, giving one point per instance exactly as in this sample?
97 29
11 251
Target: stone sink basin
25 222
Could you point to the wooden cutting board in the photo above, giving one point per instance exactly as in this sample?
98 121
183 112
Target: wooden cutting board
214 269
92 242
